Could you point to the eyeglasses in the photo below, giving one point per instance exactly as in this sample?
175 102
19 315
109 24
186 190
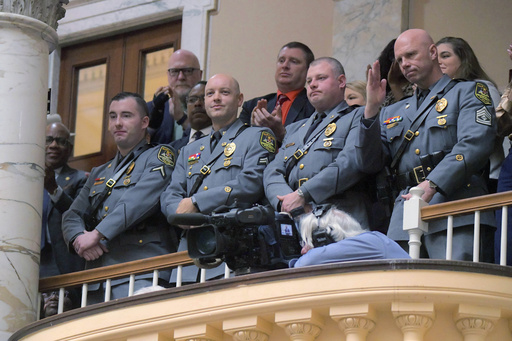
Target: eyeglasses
194 99
187 71
61 141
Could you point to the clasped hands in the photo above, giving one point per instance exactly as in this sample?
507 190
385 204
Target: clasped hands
88 245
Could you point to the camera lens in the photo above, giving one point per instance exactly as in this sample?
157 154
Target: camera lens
205 241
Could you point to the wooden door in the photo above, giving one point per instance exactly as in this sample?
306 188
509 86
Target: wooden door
92 73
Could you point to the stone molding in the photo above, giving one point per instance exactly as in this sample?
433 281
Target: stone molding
47 11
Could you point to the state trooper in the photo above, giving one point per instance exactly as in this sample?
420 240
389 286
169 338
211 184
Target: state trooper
108 223
223 168
316 163
439 140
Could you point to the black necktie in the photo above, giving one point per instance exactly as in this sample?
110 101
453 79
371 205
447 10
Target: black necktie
422 94
215 139
197 135
318 119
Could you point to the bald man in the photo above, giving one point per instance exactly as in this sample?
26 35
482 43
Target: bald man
211 173
169 103
446 131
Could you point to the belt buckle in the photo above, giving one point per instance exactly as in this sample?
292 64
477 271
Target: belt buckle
419 174
408 135
302 181
298 154
110 183
205 170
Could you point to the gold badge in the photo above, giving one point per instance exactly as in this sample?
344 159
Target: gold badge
227 189
327 143
130 168
126 182
331 128
441 120
227 162
229 149
223 144
201 148
441 104
166 155
268 141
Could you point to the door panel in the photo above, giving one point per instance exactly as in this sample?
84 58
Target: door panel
92 73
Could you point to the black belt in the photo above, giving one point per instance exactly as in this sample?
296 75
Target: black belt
412 178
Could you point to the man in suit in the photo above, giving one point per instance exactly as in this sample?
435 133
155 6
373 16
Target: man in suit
224 168
169 106
200 122
316 163
290 103
61 185
108 223
438 140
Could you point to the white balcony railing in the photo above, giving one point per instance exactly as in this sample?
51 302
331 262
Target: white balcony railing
417 214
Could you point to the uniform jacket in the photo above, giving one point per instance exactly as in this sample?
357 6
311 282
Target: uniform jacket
329 166
300 109
71 181
461 123
130 216
234 176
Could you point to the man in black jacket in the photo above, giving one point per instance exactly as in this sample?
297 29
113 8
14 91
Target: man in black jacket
290 103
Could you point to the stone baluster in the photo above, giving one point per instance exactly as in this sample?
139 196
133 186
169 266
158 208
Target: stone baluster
476 322
356 321
300 325
414 319
251 328
201 332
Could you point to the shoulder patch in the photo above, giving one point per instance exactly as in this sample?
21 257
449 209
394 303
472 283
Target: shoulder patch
483 116
268 141
166 155
482 93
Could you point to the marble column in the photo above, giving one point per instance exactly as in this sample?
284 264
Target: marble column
27 36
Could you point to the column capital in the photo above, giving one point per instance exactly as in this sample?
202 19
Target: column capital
47 11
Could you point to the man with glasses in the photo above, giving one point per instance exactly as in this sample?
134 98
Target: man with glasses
200 122
61 185
169 103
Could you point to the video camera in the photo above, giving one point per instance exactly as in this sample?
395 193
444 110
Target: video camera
248 240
